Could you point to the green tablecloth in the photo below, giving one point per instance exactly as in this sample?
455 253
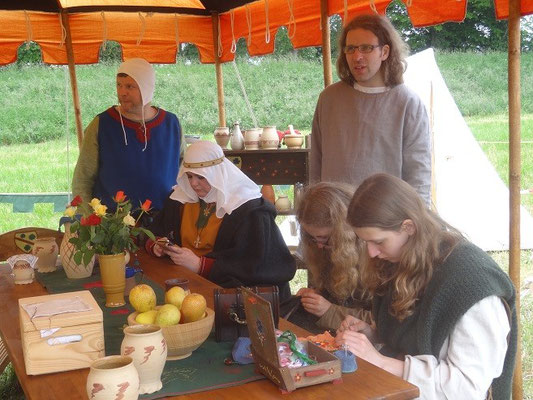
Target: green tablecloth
203 370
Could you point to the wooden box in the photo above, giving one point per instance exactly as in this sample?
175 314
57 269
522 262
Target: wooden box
266 356
61 342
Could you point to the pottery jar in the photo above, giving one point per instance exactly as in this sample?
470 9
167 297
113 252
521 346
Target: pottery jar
269 138
222 136
283 203
147 347
251 138
46 250
23 272
73 270
113 377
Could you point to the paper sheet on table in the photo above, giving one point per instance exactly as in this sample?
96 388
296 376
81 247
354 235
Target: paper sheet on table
55 307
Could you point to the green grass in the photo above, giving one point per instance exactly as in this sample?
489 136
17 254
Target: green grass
35 100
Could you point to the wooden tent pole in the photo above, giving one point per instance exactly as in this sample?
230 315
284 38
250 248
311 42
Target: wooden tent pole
220 77
73 79
326 45
514 175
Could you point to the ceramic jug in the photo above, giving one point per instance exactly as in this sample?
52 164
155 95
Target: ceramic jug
237 139
147 347
269 138
113 377
283 203
46 250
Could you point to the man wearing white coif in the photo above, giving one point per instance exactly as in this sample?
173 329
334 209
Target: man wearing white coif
134 146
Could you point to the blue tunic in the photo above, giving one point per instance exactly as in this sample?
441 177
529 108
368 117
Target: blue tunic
148 174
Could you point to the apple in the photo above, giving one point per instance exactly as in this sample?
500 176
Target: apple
175 295
146 318
142 298
193 307
167 315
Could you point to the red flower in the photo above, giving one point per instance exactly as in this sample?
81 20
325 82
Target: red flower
91 220
120 196
146 205
76 201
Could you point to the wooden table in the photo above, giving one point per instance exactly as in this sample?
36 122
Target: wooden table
368 382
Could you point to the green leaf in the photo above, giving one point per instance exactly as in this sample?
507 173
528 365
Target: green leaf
87 257
77 257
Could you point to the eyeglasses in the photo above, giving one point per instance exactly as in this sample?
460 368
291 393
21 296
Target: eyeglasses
363 48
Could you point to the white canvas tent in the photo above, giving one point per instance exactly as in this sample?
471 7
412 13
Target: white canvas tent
469 193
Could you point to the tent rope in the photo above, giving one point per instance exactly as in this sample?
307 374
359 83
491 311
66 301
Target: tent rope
63 32
176 33
143 29
104 31
249 23
232 22
244 93
219 38
28 29
345 21
292 20
409 3
267 30
66 132
373 6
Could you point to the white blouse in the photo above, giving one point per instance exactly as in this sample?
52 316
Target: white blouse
470 358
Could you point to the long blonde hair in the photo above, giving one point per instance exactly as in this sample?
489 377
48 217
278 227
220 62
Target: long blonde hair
385 202
334 269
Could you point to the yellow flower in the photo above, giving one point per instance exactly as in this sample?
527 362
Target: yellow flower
70 211
100 210
95 203
128 220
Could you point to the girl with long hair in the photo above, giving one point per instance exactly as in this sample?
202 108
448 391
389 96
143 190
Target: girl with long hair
331 254
443 309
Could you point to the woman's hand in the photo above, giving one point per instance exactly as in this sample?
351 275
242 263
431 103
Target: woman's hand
354 324
183 256
313 302
159 247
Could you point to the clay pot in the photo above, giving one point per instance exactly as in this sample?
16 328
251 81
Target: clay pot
147 347
113 377
269 138
222 136
46 250
71 267
252 138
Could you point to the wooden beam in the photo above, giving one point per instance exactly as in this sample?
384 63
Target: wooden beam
73 79
514 176
220 77
326 45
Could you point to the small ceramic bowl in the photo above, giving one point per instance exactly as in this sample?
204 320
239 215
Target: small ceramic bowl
293 141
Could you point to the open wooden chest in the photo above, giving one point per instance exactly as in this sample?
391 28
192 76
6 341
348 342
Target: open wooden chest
265 351
68 335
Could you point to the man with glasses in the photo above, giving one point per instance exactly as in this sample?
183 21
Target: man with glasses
370 121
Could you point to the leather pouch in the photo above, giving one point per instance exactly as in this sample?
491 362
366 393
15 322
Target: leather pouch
230 319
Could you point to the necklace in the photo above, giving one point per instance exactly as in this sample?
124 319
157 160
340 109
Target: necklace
206 210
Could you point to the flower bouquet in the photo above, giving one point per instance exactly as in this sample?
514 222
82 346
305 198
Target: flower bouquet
109 235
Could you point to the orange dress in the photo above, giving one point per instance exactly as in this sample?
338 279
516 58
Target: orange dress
200 240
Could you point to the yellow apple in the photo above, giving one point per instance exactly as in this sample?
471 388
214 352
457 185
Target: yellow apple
175 295
146 318
193 307
167 315
142 298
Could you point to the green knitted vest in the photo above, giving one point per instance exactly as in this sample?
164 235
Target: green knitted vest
467 276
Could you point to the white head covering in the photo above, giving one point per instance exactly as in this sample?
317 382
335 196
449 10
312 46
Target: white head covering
143 73
230 187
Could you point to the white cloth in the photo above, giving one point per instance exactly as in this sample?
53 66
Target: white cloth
470 358
143 73
230 187
54 307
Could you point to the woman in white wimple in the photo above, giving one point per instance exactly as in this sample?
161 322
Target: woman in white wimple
219 225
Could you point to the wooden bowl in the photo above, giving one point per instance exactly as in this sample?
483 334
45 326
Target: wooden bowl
183 339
